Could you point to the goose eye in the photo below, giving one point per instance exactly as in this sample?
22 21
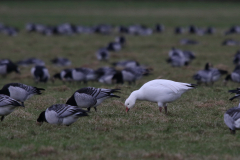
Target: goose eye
128 104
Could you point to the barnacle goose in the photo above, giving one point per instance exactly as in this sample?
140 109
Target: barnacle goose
7 105
208 75
40 74
234 76
19 91
60 61
31 61
64 75
7 66
232 115
90 97
61 114
102 54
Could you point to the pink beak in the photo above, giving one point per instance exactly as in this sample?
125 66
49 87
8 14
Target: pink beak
127 109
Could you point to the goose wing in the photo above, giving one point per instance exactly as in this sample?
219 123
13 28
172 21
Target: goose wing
64 110
6 100
29 89
176 87
234 113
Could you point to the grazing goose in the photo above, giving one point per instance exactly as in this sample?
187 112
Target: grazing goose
179 30
177 58
188 41
77 74
126 63
121 40
234 76
159 28
160 91
7 105
7 66
64 75
114 46
102 54
19 91
40 74
31 61
60 61
233 29
61 114
131 74
208 75
236 59
230 42
90 97
232 115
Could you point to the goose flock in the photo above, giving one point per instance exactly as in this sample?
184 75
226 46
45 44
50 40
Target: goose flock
79 104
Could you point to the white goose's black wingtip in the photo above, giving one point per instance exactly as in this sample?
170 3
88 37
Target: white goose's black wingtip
192 85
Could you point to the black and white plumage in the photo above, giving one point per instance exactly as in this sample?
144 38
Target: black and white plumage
64 75
61 114
236 59
40 74
233 29
126 63
19 91
179 30
102 54
60 61
188 42
7 66
230 42
234 76
90 97
121 40
232 115
77 74
131 74
208 75
159 28
114 46
31 61
7 105
179 58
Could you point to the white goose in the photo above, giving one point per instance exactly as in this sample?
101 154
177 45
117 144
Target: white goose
160 91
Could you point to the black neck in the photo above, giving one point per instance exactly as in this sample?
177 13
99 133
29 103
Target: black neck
42 117
71 101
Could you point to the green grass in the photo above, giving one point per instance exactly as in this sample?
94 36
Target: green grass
194 128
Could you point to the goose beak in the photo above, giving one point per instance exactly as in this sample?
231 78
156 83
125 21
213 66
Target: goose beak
127 109
39 123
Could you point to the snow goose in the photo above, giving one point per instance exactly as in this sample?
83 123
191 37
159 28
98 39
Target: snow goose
232 115
208 75
7 105
19 91
61 114
160 91
234 76
90 97
40 74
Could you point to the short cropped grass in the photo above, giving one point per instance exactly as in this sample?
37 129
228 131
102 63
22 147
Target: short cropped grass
194 127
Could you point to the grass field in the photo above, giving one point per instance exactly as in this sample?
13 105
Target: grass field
194 127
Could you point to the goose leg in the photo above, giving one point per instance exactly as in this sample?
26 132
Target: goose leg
160 109
2 118
232 131
160 105
165 108
95 109
88 109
